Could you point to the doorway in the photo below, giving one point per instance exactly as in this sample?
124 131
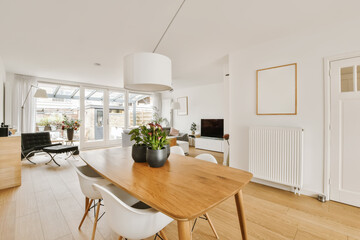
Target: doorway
103 116
344 132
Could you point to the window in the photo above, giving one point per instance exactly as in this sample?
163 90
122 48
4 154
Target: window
62 100
116 114
347 79
94 114
140 109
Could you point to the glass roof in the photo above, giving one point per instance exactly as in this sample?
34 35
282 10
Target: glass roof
73 92
67 90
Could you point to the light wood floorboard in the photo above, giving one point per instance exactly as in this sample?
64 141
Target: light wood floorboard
49 205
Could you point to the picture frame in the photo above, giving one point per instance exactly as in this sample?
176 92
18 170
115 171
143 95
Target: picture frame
276 90
183 110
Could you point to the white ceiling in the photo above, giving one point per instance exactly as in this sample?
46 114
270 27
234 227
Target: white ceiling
63 39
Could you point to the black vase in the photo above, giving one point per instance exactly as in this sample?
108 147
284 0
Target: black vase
168 150
138 153
156 158
70 134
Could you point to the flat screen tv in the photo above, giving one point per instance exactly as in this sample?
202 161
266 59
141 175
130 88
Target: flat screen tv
212 128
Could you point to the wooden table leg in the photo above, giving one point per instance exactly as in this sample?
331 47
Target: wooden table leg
184 230
240 209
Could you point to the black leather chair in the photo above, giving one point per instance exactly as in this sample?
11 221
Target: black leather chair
32 143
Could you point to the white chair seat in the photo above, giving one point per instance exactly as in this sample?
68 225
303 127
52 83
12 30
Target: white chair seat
88 171
177 150
87 177
184 145
207 157
121 194
127 221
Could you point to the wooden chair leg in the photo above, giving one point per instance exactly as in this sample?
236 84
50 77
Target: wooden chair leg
86 212
96 220
212 225
162 234
86 202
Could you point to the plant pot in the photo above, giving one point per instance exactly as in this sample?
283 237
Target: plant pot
138 153
167 150
70 134
41 128
156 158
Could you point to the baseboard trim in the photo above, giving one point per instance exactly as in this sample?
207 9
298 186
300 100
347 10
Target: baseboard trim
305 192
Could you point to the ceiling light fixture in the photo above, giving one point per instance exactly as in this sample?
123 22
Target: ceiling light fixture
149 72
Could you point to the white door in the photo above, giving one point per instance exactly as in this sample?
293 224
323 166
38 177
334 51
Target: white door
94 117
103 117
116 120
345 131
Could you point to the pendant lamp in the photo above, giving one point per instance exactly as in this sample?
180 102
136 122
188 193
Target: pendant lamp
149 72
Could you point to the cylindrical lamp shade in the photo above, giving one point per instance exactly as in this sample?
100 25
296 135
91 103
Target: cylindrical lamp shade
40 93
147 72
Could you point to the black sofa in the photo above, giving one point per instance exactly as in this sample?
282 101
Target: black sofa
32 143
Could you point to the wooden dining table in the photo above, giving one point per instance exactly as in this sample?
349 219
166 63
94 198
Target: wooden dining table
184 188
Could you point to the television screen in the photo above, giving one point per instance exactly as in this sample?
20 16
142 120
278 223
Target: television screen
212 128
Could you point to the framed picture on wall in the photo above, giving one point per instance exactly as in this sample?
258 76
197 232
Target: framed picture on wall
276 90
183 110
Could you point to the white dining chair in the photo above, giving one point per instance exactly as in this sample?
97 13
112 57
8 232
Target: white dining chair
87 177
177 150
130 218
209 158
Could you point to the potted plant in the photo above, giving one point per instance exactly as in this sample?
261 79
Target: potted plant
138 151
70 125
42 124
52 123
155 138
157 119
55 123
193 128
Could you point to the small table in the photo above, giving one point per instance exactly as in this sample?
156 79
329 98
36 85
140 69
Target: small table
71 143
60 149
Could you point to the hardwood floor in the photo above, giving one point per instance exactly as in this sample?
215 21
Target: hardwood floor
49 205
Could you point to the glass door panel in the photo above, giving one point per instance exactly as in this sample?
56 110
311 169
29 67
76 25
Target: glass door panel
116 114
94 115
140 109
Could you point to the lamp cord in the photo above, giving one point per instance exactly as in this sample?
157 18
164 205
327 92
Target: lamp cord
167 28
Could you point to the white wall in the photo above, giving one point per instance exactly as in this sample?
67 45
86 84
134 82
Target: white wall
9 108
2 82
308 50
205 101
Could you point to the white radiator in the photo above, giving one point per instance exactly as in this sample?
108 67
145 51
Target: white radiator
276 155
